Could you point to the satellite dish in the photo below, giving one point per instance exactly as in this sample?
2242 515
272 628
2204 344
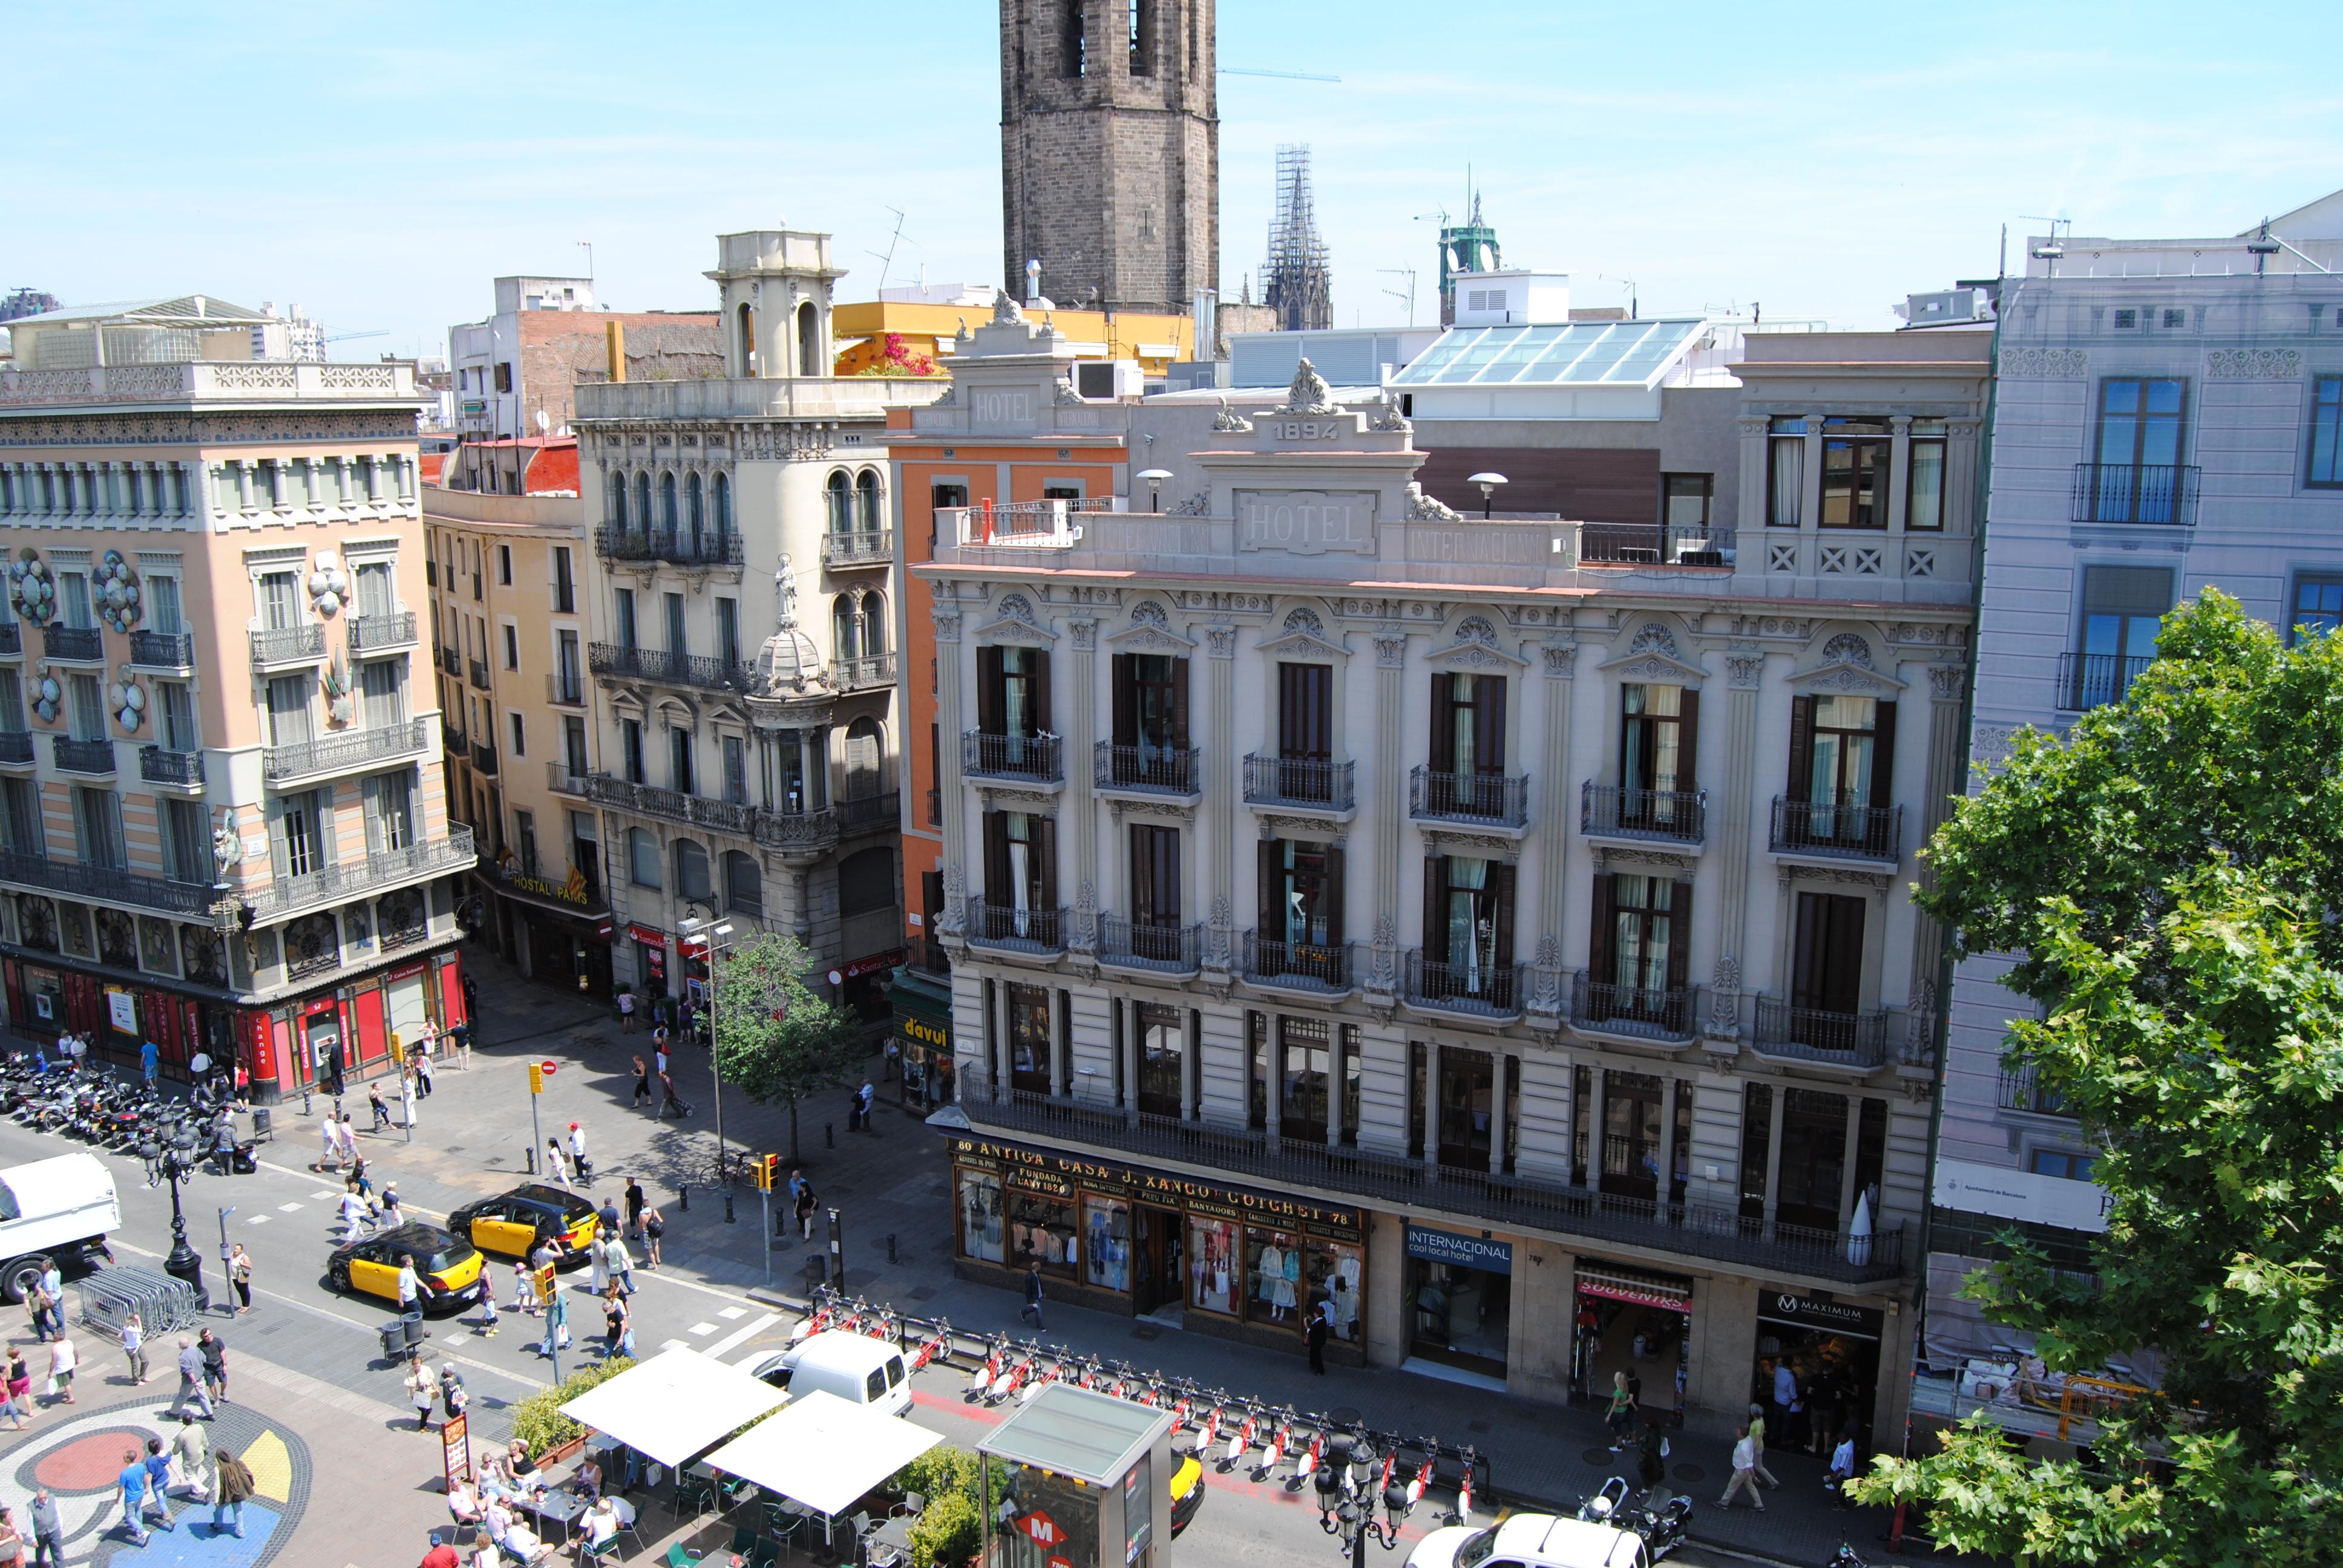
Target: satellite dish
544 421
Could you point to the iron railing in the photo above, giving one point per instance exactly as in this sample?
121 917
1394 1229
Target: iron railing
928 956
452 661
332 884
2088 680
564 688
1018 930
1171 950
1038 758
105 885
863 672
1322 968
1495 798
79 642
83 756
289 643
1486 990
674 668
860 547
1816 1034
484 756
351 749
11 640
15 745
676 547
1654 545
480 673
1157 770
869 813
2159 493
163 650
1673 816
2022 1091
1653 1012
451 736
563 780
396 630
774 829
1716 1231
1858 832
159 766
1307 783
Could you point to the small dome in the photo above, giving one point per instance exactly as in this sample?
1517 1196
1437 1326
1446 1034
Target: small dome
789 665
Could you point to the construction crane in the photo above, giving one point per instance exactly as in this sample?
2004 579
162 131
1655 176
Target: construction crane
1282 75
347 336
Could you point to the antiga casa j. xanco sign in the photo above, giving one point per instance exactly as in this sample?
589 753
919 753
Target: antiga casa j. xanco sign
1161 1185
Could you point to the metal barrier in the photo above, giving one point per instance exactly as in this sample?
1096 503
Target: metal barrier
164 1305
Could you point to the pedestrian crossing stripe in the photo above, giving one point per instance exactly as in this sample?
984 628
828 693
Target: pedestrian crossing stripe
730 1314
701 1328
288 1208
257 1220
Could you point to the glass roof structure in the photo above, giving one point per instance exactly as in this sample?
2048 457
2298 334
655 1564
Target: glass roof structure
1581 354
1076 1432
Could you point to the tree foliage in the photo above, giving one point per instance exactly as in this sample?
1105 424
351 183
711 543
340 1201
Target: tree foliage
776 1040
2168 878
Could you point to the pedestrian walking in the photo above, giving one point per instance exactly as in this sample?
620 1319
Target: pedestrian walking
453 1396
807 1203
215 1350
670 1100
48 1532
1032 1308
471 997
191 1451
329 1145
622 1266
524 1289
654 1227
865 1097
150 1062
53 1296
635 1202
578 1161
347 1132
391 1216
20 1388
421 1391
1758 1442
608 1214
1744 1472
191 1380
626 1012
643 1082
63 1359
133 1347
132 1484
1315 1336
1652 1460
360 1179
614 1322
158 1477
599 1267
234 1488
658 1049
354 1213
556 1166
1622 1411
239 1274
377 1104
410 1285
423 1071
1842 1470
556 1326
487 1329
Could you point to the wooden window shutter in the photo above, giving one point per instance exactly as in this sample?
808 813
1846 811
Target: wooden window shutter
1126 714
1045 844
1489 725
1680 935
1269 901
1599 967
1688 740
1801 747
989 680
1179 703
1882 757
997 891
1500 895
1444 722
1043 724
1334 887
1435 919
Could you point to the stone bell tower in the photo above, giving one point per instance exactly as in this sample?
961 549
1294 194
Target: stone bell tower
1109 152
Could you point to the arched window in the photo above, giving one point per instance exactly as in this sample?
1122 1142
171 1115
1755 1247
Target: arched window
840 501
690 869
747 340
723 506
667 502
874 622
845 628
809 340
744 885
642 858
862 759
642 501
693 509
866 882
866 496
618 500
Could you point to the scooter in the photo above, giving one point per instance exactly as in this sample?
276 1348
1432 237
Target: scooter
1845 1558
1599 1508
1661 1521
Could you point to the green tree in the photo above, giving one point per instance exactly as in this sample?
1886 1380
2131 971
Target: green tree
2170 877
776 1040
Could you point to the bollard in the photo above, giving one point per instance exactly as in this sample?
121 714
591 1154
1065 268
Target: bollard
532 1158
683 1196
782 1220
728 1205
890 1247
829 1136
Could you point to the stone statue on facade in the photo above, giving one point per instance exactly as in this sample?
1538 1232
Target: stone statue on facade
785 595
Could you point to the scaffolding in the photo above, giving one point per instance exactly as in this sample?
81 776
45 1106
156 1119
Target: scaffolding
1294 281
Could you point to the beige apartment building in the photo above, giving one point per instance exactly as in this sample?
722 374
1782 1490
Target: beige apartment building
222 827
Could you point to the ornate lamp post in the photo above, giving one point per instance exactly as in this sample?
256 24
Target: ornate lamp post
703 928
174 1162
1346 1503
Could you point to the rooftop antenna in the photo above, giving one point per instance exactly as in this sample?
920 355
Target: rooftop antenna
886 259
2053 249
587 247
1409 274
1629 285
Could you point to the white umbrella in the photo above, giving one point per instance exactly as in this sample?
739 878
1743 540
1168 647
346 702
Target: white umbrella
1858 1234
674 1405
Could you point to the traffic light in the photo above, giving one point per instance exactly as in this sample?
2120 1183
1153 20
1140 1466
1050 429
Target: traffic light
535 1078
768 1166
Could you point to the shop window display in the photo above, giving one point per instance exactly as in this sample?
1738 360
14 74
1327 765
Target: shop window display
1333 1272
983 1234
1106 1242
1213 1265
1042 1230
1273 1277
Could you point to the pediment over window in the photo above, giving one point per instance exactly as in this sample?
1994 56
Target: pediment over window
1150 631
1649 663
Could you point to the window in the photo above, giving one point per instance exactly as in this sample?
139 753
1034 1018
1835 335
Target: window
643 502
520 744
504 375
642 858
678 761
728 630
12 702
868 512
2174 319
2325 432
874 623
615 492
1142 37
525 839
1856 454
1154 891
1071 47
97 828
279 601
723 506
564 582
1029 1037
567 681
88 699
2062 1163
1813 1159
744 884
1020 874
1786 473
299 846
2138 479
163 604
2318 605
72 599
1468 924
677 643
736 770
1301 911
845 628
691 870
512 646
1683 507
1637 963
374 595
1150 718
2123 611
862 755
1924 501
504 566
695 511
2127 320
20 817
810 360
1468 746
840 501
1012 692
388 799
382 687
630 745
1163 1047
186 842
573 745
626 617
1827 957
867 882
175 718
1658 726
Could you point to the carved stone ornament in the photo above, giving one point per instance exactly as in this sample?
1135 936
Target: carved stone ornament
950 399
947 625
2044 364
228 848
1391 649
1085 634
1744 670
1472 846
1559 659
955 888
1309 394
1945 681
1728 974
1221 640
1476 629
1847 648
1653 639
1006 311
1306 622
1067 397
2253 364
1387 418
1229 419
1086 915
1424 508
1196 505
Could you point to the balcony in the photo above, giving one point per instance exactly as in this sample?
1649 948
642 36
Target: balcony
673 546
484 758
1490 992
2020 1091
863 548
1654 545
12 639
83 756
869 813
1635 1012
1812 830
801 832
866 673
1486 800
1645 816
564 688
2088 680
376 873
451 738
928 957
1035 932
935 808
1150 948
288 644
342 753
158 766
106 886
1165 770
2155 493
562 781
672 668
479 668
1409 1186
15 748
373 633
163 650
1022 758
1849 1040
1010 525
1306 784
452 662
1305 968
75 642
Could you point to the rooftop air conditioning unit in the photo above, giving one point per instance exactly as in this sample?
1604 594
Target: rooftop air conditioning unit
1105 380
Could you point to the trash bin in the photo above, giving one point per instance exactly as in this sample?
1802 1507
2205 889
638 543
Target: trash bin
262 1132
394 1342
412 1325
817 1269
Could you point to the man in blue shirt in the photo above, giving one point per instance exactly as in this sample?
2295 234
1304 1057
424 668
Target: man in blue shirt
148 1059
134 1495
158 1474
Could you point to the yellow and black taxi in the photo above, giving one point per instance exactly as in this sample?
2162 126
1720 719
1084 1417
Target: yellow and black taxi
1187 1490
446 1267
512 1224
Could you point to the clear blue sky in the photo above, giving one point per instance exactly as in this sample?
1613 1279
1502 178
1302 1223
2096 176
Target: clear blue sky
380 164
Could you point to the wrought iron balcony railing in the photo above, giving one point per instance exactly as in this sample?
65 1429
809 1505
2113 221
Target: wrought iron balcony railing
869 813
673 668
1170 949
1856 832
864 672
105 885
76 642
1673 816
351 749
1493 797
802 831
1309 783
1038 758
374 873
12 639
1015 930
862 548
163 650
289 645
15 745
83 756
484 756
1654 545
563 780
1661 1013
2159 493
676 546
564 688
2021 1091
1156 769
2088 680
452 661
158 766
1817 1034
1486 991
479 668
1319 967
372 633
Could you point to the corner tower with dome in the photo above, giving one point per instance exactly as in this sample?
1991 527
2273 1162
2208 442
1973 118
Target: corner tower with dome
745 587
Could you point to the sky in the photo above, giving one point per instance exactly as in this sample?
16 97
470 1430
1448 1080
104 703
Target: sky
380 164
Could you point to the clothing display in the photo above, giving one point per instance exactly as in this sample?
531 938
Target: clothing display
983 1235
1107 1239
1211 1264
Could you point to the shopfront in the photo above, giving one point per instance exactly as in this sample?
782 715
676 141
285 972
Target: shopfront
1632 1320
649 944
562 929
924 1072
1218 1259
1831 1349
1459 1295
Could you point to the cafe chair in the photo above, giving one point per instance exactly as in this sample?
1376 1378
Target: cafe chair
681 1556
910 1507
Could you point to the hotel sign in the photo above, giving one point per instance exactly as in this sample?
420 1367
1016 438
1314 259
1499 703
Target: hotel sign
1158 1186
1307 522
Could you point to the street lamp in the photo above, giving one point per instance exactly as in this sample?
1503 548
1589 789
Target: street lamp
174 1162
1488 483
713 943
1346 1503
1154 478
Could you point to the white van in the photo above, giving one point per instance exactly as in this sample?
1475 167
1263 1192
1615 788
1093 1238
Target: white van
59 1209
854 1367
